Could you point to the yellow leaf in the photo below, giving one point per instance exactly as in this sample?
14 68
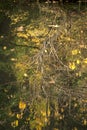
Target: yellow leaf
4 48
74 52
13 59
60 117
75 105
22 35
46 120
55 129
25 75
12 50
85 60
81 31
22 105
19 116
28 118
68 38
72 65
45 51
75 128
78 61
20 29
35 40
43 113
52 81
14 123
1 36
79 73
15 20
85 122
62 110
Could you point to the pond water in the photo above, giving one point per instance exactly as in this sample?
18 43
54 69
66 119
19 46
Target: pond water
43 63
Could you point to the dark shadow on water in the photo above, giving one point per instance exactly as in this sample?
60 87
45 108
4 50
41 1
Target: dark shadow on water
4 24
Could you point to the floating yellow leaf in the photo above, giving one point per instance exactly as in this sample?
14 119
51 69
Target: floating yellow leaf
14 123
4 48
27 119
75 105
16 20
60 117
35 40
79 73
25 75
43 113
74 52
85 60
68 38
72 66
19 116
22 35
22 105
62 110
20 29
52 81
13 59
61 36
45 51
78 61
55 129
85 122
81 31
75 128
46 120
12 49
5 90
1 36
